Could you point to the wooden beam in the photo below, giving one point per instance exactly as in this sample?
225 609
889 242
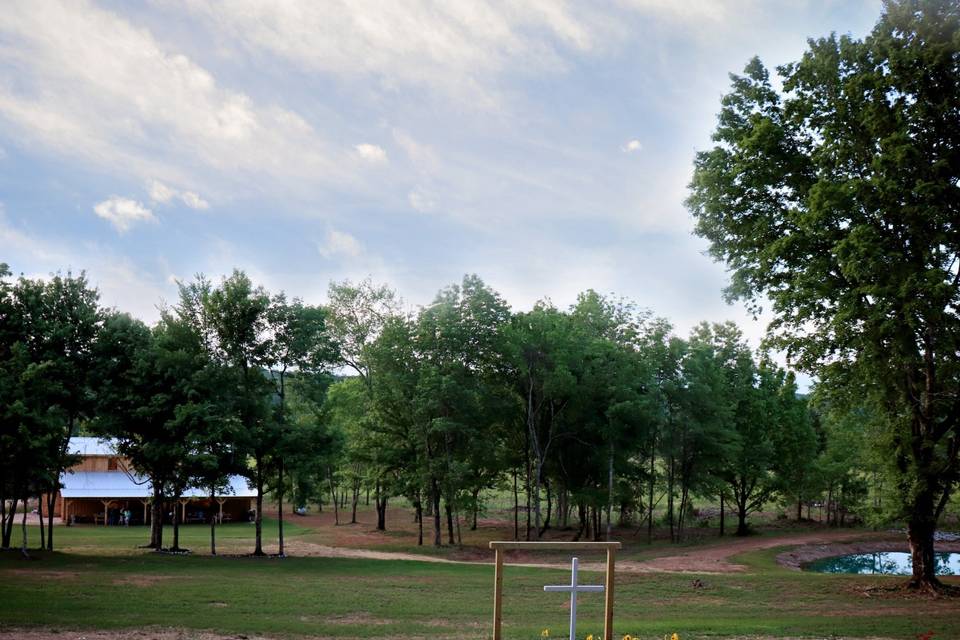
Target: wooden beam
556 546
106 511
497 595
608 595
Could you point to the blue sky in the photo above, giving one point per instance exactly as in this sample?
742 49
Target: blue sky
544 145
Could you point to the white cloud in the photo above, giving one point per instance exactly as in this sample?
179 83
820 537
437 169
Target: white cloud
339 244
457 47
163 194
160 192
371 153
421 200
193 200
694 11
632 146
123 213
85 82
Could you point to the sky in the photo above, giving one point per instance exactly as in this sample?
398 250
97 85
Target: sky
543 145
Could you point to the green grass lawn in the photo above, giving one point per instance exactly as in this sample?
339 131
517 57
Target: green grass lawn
100 580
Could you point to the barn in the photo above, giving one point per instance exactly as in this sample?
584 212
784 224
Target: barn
103 486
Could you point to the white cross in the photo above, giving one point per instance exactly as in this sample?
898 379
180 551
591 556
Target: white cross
573 588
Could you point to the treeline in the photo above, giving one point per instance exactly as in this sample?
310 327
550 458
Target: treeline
590 416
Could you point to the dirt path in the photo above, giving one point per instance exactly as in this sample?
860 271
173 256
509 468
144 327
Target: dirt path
710 559
717 559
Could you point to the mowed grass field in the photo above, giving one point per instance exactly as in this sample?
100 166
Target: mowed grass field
102 581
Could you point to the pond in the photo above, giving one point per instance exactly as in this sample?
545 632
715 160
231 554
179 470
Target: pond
892 563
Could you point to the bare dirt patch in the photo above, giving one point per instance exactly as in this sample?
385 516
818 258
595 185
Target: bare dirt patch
43 573
356 617
140 580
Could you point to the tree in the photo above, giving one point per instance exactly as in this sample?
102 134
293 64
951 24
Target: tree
58 320
233 323
796 445
838 201
357 314
460 341
297 343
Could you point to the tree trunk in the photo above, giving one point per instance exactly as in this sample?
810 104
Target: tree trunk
43 539
456 520
23 528
742 528
176 523
516 508
381 504
537 479
258 518
355 499
582 517
546 521
610 492
829 504
526 481
333 495
670 499
653 477
419 506
156 521
3 509
213 523
722 515
920 533
435 506
449 512
51 500
280 507
476 508
799 509
8 524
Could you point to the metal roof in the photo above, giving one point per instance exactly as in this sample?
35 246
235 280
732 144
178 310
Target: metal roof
87 446
119 484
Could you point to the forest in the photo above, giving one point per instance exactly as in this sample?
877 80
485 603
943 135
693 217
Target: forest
587 418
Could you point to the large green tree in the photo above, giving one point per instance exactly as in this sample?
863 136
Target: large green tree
233 322
58 320
837 198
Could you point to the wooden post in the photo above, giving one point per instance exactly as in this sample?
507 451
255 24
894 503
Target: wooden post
65 511
497 594
498 548
183 509
106 511
608 595
146 512
220 515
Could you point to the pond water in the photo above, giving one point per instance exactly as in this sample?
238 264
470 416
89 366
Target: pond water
892 563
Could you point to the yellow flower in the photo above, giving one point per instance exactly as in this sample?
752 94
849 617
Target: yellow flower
590 636
628 637
545 633
675 637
